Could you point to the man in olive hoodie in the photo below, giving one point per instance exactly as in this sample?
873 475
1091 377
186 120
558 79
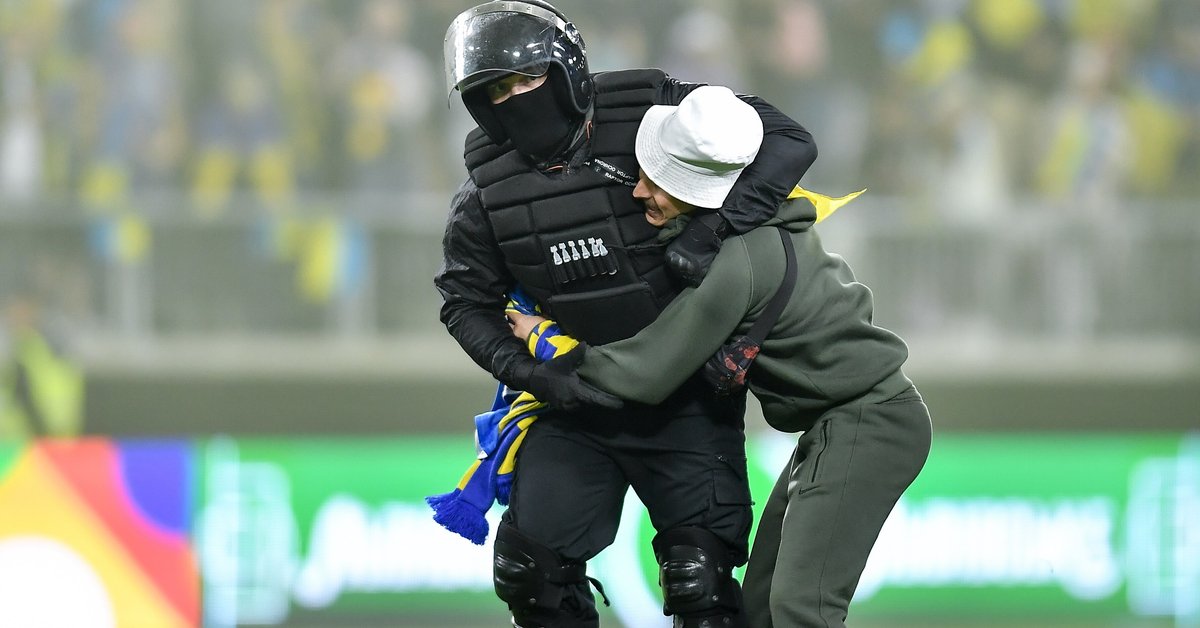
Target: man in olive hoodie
824 370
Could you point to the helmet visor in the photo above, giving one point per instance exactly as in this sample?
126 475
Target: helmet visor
484 45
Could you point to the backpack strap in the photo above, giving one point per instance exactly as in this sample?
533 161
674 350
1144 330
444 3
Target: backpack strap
770 314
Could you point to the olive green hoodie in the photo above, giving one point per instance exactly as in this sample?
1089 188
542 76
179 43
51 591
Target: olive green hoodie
822 352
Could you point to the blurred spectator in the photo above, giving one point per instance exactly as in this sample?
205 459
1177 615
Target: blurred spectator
64 78
41 389
1087 156
1163 107
21 139
701 45
1018 64
966 180
37 64
141 122
295 36
889 167
795 70
239 139
1084 171
383 89
965 168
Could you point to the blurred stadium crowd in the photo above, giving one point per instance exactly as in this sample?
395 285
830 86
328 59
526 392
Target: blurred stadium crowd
309 144
112 98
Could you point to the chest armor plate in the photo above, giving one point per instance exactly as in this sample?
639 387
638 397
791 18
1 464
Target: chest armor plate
574 237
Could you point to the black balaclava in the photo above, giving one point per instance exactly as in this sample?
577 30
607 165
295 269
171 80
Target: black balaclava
538 122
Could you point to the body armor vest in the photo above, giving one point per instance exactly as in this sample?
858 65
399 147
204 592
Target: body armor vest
574 237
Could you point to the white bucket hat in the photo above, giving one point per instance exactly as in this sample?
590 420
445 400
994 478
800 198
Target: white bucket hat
695 151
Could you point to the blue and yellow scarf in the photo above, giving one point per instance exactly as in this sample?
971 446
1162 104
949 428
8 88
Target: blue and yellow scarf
498 435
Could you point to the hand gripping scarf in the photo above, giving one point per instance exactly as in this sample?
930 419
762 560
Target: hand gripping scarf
498 435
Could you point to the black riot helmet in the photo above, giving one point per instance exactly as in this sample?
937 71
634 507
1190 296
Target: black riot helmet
528 37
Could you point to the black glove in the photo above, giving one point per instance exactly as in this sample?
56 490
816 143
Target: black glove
691 253
556 383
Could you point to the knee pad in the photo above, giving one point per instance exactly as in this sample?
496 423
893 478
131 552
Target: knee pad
696 576
528 575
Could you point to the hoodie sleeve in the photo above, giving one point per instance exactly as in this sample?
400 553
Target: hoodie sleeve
649 366
787 152
473 281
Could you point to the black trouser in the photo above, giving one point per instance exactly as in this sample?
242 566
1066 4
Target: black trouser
827 509
685 459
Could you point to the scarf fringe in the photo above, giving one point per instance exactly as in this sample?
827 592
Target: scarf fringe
459 516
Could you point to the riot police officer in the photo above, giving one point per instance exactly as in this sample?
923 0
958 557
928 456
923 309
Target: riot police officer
548 205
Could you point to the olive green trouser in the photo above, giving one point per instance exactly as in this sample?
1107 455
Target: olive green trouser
827 510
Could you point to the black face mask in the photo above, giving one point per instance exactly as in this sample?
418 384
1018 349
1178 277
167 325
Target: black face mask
537 124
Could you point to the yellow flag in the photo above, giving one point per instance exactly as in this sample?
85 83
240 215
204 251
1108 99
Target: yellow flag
132 238
825 205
